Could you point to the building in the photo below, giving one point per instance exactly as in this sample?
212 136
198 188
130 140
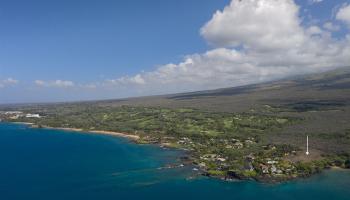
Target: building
32 115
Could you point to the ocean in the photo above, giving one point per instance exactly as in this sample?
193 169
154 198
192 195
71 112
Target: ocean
53 164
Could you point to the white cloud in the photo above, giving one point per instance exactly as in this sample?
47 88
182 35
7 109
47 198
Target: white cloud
8 82
258 24
315 1
55 83
344 14
331 27
138 80
314 30
254 40
39 82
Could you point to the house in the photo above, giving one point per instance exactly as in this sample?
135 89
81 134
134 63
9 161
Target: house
202 165
14 117
269 147
13 113
264 169
32 115
273 169
250 157
221 159
271 162
210 157
185 141
249 142
248 166
238 145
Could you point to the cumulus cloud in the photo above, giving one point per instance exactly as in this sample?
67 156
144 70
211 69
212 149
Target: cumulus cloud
8 82
344 14
258 24
55 83
331 27
253 41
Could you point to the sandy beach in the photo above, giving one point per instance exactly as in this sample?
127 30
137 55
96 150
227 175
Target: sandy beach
133 137
25 123
112 133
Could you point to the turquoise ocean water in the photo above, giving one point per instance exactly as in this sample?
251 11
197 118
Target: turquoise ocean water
52 164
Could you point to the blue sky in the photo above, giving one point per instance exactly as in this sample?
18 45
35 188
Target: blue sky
81 50
87 40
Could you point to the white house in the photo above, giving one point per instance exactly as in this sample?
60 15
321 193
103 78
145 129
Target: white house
32 115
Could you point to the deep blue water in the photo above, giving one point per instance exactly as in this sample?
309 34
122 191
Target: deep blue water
52 164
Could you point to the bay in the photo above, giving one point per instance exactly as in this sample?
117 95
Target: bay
54 164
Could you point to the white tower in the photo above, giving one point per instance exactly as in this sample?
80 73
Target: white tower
307 145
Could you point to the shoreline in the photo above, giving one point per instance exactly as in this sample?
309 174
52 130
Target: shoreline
337 168
203 172
111 133
24 123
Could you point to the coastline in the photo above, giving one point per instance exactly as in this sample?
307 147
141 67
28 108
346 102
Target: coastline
149 176
337 168
188 158
111 133
24 123
132 137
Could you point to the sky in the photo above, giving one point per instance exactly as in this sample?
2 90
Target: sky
71 50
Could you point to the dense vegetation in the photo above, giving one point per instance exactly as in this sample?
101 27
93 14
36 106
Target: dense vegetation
161 121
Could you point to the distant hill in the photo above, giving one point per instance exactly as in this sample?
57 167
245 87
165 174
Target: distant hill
331 87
